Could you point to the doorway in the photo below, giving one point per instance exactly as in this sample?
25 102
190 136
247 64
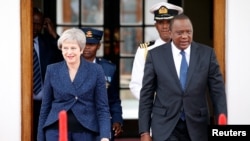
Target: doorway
212 34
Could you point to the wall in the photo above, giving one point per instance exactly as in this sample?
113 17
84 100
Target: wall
237 61
10 119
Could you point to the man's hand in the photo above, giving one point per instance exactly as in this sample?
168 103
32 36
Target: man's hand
49 27
146 137
117 128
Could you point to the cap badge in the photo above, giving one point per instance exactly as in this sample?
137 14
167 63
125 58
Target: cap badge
89 34
163 10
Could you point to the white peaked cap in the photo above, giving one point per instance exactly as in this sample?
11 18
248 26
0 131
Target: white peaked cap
168 13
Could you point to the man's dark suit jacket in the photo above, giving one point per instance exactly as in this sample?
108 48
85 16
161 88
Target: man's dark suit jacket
86 97
162 112
48 52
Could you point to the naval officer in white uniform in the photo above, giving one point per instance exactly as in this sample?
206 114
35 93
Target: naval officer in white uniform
163 13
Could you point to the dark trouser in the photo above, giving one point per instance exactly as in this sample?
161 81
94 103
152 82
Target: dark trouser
180 132
36 113
53 135
112 135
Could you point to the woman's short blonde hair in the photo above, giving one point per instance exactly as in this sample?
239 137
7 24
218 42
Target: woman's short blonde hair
73 34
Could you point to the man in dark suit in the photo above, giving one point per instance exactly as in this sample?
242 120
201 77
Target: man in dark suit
179 110
93 38
45 46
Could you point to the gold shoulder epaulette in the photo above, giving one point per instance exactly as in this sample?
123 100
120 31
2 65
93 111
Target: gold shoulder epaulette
145 46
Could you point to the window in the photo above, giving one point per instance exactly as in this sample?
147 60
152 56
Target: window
135 25
68 15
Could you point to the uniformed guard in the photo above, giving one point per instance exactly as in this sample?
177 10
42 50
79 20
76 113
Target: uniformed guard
93 38
163 13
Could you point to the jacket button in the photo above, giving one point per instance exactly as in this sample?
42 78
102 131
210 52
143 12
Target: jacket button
76 97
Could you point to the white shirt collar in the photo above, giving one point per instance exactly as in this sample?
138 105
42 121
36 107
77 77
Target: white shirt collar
35 40
94 61
177 51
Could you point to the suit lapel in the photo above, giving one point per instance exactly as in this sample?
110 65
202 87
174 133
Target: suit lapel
64 77
44 55
81 74
194 57
170 62
80 77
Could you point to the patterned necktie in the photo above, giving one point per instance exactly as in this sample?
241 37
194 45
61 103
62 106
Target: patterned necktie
37 85
183 70
183 76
